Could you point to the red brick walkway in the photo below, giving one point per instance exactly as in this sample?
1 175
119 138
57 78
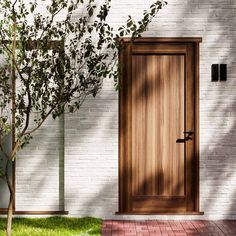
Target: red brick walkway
168 228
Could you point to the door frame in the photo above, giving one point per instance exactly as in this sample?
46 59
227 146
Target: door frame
125 140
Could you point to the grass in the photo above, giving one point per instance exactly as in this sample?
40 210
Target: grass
53 226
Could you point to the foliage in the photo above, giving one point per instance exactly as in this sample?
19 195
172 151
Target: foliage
57 60
54 226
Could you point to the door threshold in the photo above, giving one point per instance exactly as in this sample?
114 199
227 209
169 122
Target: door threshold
160 213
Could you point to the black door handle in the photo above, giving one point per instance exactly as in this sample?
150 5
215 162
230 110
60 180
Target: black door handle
180 140
187 136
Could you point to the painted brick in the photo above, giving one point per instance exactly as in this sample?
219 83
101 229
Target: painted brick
91 135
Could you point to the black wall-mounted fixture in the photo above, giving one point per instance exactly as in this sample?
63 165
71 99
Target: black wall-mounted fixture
214 72
223 72
218 72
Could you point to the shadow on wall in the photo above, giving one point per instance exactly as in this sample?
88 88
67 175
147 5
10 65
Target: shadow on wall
217 111
218 114
94 184
4 191
37 170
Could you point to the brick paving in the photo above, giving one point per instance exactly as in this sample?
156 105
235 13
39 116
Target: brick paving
168 228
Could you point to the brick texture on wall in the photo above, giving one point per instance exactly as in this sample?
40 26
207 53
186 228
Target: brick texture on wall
88 139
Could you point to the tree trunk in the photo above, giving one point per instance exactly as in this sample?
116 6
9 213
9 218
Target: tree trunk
9 162
11 201
9 216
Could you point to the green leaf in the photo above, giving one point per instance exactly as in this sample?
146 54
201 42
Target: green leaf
70 8
90 12
129 23
32 8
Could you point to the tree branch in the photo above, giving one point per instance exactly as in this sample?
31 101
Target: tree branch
13 5
51 21
40 124
14 150
27 110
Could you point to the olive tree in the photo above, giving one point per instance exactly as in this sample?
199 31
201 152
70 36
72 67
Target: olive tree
52 62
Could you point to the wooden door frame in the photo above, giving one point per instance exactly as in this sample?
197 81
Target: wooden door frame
125 139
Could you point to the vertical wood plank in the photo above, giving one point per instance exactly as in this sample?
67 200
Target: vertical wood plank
157 111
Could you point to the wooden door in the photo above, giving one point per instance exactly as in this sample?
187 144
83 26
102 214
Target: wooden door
159 126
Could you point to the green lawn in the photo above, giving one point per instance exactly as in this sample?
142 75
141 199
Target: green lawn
53 226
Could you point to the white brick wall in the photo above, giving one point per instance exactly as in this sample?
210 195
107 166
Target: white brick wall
91 135
39 184
91 150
